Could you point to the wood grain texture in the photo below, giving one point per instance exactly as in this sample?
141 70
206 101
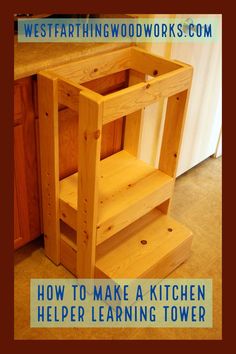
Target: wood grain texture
151 247
151 64
125 256
95 67
89 150
17 231
173 130
134 121
172 137
119 195
39 174
129 188
112 138
68 256
68 142
31 59
143 94
68 93
112 133
68 235
21 211
49 152
68 90
109 83
18 104
207 243
24 115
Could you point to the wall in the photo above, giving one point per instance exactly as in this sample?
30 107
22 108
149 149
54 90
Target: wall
203 120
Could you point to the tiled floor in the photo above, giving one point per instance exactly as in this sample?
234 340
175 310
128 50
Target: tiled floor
197 203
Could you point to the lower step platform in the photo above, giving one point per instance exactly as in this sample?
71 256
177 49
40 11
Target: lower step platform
151 247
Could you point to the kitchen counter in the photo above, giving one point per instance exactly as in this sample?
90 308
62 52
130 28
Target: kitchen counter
30 58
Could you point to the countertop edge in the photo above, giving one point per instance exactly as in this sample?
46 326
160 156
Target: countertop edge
33 68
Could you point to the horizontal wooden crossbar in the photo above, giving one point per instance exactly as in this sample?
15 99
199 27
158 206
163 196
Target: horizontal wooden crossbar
150 64
68 94
143 94
109 63
95 67
172 77
130 99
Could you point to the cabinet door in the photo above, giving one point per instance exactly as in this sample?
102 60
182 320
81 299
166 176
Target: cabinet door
17 231
21 219
26 162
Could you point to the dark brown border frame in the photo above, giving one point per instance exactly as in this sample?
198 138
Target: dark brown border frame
6 186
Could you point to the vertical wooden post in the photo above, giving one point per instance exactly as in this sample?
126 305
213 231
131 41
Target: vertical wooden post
134 121
89 145
48 125
172 137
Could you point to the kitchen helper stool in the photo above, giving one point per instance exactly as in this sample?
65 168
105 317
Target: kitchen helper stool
110 218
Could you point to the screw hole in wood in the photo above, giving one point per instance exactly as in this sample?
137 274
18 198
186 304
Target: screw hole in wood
143 242
155 72
170 229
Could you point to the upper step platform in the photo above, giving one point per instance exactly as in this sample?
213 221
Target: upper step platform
128 189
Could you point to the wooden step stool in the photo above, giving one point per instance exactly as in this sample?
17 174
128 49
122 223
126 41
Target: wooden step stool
110 219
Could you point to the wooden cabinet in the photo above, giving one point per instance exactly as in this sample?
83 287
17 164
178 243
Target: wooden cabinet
27 186
21 212
26 200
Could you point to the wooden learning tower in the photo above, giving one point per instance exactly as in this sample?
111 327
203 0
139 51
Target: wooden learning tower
110 219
